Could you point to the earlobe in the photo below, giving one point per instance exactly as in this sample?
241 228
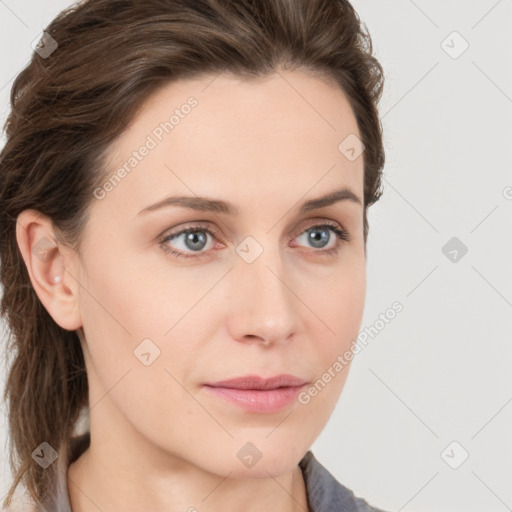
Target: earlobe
44 259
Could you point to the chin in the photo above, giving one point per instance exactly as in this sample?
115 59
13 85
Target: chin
254 454
262 456
262 469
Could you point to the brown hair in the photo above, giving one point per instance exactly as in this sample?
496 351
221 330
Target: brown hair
67 107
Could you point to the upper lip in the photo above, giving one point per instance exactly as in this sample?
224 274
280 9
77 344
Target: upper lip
257 382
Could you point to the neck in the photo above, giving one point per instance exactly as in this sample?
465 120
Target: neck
100 479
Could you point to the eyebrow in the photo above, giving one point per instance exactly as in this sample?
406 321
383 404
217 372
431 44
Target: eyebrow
206 204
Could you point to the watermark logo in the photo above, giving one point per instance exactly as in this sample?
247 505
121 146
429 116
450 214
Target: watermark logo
454 249
344 359
43 248
44 45
249 454
454 45
351 147
147 352
455 455
249 249
45 455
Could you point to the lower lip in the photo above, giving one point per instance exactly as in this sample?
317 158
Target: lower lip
268 401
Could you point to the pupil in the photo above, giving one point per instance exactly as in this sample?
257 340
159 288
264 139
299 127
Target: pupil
317 240
193 237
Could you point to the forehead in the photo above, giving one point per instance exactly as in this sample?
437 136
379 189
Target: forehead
220 135
236 107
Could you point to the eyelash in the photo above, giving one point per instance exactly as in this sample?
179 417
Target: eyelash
341 233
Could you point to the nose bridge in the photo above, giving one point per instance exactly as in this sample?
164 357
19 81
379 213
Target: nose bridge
263 302
260 266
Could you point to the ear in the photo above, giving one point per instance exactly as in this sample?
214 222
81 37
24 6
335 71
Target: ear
46 260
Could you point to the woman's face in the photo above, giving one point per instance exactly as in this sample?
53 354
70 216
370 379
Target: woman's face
251 292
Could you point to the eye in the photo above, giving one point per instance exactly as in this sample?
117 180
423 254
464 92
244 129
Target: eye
194 239
319 240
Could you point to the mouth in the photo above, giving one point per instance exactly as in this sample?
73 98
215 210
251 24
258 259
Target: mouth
256 394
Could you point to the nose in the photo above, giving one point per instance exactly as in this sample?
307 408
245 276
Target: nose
263 306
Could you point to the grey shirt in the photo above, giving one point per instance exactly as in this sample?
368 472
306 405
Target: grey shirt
324 492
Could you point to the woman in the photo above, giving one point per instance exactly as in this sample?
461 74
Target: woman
184 193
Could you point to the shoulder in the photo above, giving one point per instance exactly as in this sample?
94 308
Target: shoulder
59 500
325 493
21 502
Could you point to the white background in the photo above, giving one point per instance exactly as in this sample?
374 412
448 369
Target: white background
440 371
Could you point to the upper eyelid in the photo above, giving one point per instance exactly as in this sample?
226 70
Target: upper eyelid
206 226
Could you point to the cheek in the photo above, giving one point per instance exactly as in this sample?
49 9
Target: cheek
131 309
339 302
341 309
136 330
